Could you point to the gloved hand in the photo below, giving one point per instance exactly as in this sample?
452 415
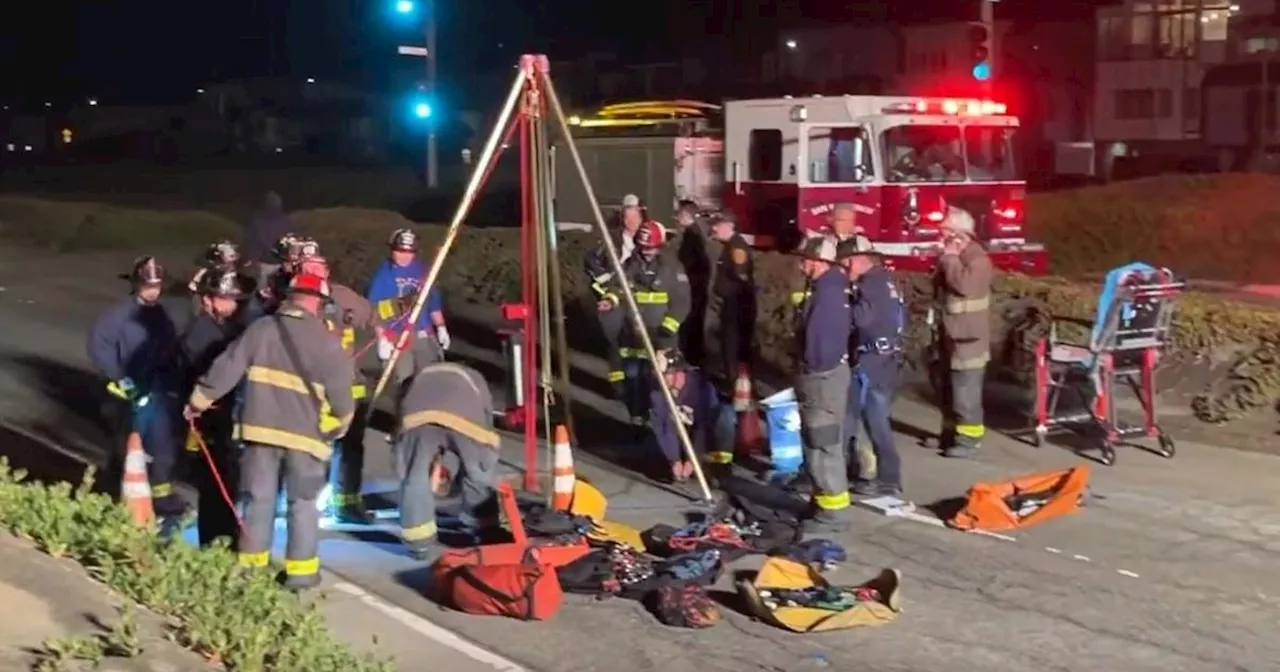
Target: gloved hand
686 415
442 337
385 346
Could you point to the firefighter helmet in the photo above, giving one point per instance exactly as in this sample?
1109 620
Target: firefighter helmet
223 253
403 240
853 246
147 271
306 249
309 284
651 236
221 283
285 246
819 248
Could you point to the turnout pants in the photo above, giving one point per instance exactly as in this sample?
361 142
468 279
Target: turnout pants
822 396
611 322
158 421
346 469
262 468
872 388
215 516
737 328
473 466
962 417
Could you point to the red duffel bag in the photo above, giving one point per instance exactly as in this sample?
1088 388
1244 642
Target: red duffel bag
529 591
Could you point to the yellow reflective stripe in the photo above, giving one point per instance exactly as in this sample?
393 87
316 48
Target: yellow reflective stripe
284 439
452 421
302 567
720 458
799 297
957 306
255 560
161 489
116 391
347 499
419 532
633 353
671 324
348 338
386 309
617 376
651 297
832 502
971 431
599 289
279 378
359 391
611 298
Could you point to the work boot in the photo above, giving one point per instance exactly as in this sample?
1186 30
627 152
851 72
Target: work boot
301 583
824 521
866 488
353 513
959 452
425 550
889 490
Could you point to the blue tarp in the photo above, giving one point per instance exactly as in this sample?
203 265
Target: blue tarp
1108 295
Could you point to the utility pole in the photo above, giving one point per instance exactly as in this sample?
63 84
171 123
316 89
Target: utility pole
433 166
987 15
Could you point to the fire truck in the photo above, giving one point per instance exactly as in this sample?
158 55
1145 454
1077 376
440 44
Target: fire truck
782 164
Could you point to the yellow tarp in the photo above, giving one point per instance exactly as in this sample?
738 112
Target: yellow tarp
619 533
588 501
784 574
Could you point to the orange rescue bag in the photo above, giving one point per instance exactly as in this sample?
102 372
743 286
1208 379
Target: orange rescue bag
1022 501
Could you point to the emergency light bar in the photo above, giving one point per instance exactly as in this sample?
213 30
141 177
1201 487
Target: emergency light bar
972 108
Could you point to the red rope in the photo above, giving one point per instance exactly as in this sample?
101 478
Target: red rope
217 475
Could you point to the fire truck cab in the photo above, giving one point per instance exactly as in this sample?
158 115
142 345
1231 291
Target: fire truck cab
899 161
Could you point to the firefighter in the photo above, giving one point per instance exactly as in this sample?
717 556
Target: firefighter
878 315
691 250
600 271
661 290
132 345
735 291
275 280
296 403
208 335
696 398
822 384
393 291
446 417
346 314
843 223
220 256
962 286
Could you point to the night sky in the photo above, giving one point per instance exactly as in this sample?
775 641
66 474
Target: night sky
160 50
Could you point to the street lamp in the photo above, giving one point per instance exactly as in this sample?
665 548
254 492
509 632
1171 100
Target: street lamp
792 45
405 7
93 102
428 53
422 110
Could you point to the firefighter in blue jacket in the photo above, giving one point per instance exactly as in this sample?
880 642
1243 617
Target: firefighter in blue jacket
133 345
876 350
822 384
697 399
393 291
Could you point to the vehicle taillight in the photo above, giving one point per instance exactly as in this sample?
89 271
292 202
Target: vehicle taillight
1007 217
922 214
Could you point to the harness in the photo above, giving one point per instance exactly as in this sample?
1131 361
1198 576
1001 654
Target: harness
888 345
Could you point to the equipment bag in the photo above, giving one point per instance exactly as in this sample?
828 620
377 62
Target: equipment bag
529 592
1019 502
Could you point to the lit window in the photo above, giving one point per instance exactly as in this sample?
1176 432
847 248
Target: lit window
1213 26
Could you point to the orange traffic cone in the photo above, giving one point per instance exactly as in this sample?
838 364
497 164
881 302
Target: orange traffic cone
563 478
748 437
135 489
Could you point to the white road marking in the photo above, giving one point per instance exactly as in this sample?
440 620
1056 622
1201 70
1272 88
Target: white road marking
1082 558
1125 572
432 631
1052 549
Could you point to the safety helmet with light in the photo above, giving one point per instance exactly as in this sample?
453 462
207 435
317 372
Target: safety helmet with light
651 236
223 253
285 246
403 240
221 283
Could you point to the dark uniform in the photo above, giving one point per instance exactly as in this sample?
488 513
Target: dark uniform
346 315
697 400
692 253
603 288
204 340
447 414
133 345
661 290
822 385
876 349
296 403
735 289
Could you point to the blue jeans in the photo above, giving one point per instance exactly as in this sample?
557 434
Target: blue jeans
871 392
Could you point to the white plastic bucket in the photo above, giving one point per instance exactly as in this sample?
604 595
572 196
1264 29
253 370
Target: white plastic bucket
782 415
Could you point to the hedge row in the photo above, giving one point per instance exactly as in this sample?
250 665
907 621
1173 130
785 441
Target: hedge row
485 267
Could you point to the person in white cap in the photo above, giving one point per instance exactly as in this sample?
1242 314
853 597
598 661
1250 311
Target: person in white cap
604 281
962 286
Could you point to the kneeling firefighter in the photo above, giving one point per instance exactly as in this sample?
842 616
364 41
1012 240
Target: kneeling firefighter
296 403
209 334
446 415
661 290
697 400
822 384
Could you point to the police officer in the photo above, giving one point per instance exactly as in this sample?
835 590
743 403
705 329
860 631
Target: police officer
735 291
962 286
876 350
822 384
296 403
346 315
208 335
691 250
600 272
393 291
696 398
133 345
661 289
446 417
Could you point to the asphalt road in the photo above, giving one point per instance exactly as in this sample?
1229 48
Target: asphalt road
1171 568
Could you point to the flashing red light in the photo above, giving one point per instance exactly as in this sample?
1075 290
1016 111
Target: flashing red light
935 217
971 108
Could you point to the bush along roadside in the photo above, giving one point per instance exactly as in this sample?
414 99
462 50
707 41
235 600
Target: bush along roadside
238 618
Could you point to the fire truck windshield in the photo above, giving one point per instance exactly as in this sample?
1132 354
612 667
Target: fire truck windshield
918 153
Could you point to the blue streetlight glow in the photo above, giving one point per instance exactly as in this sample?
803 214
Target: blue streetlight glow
422 111
405 6
982 71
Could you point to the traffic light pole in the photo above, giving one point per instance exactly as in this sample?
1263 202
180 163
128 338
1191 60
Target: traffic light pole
987 15
433 165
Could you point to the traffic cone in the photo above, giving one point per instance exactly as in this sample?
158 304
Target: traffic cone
563 478
135 489
748 438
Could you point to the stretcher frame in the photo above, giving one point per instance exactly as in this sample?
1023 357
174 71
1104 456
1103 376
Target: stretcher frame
531 100
1126 351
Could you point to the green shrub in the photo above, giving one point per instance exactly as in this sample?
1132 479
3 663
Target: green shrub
73 226
238 617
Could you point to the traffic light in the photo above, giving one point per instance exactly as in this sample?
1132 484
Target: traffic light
980 51
405 7
422 110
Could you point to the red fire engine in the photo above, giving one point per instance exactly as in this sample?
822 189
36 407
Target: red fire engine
782 164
